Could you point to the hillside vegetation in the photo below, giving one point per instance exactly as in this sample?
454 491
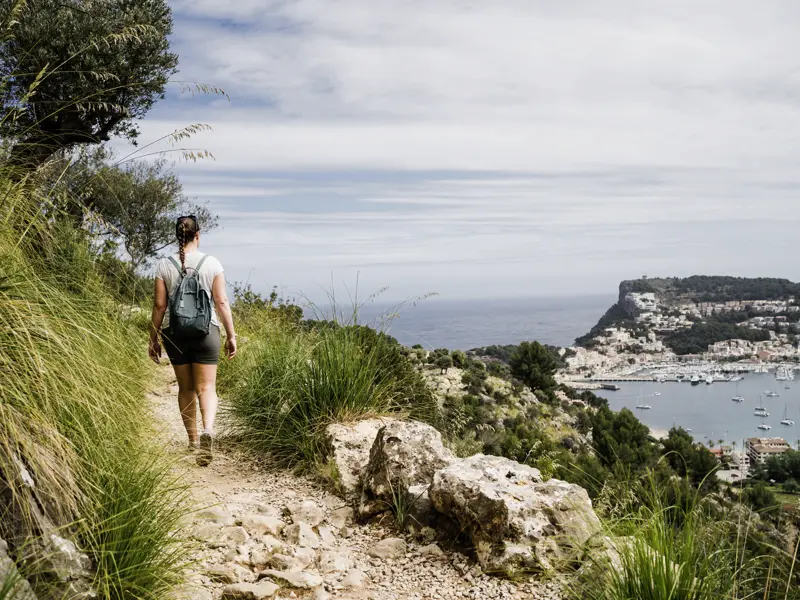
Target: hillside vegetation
75 440
713 288
88 504
700 336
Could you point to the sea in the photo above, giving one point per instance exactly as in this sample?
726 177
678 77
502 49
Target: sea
455 324
708 411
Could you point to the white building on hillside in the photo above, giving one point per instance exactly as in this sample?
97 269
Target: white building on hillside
760 449
638 305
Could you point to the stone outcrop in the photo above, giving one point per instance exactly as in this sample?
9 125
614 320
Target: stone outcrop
57 568
11 581
349 450
516 521
405 454
61 568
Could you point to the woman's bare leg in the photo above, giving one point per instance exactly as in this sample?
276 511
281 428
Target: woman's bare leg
205 385
187 400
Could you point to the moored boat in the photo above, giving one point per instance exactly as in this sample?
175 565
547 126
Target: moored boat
786 420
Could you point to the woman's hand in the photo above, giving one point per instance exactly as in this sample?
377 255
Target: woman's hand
230 347
154 350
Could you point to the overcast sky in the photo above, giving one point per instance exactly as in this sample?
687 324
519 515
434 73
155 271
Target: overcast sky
492 149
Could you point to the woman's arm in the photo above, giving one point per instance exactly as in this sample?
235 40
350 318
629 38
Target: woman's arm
220 295
159 308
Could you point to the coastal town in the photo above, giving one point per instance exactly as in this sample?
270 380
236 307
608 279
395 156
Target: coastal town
677 336
640 344
736 464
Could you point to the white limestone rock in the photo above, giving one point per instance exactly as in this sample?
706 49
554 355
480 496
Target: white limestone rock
405 454
354 580
334 561
350 446
307 511
10 580
341 517
250 591
297 579
302 534
516 521
234 535
215 514
262 524
389 548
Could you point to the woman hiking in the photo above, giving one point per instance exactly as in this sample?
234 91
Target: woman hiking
188 304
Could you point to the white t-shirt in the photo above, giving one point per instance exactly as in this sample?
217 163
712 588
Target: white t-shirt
166 272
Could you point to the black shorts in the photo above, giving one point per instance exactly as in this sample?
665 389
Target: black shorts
201 351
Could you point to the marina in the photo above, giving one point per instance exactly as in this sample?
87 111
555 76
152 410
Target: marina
695 373
713 412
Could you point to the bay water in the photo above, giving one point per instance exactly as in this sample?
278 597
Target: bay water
709 411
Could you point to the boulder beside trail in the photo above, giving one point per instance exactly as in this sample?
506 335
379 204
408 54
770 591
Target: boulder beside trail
349 446
517 521
405 454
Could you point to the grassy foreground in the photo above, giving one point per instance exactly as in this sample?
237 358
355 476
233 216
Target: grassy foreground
72 409
670 542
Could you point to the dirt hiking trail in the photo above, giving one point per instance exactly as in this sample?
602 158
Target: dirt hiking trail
270 534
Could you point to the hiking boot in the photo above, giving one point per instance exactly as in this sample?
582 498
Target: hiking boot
206 450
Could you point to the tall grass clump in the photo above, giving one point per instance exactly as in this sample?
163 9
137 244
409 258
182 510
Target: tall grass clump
294 378
697 549
77 454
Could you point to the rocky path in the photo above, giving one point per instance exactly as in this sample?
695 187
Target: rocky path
274 535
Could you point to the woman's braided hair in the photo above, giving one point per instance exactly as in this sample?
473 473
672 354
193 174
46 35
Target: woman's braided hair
186 230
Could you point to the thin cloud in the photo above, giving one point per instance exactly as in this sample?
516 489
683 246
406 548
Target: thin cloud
551 145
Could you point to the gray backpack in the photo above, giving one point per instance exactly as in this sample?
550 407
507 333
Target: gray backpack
190 305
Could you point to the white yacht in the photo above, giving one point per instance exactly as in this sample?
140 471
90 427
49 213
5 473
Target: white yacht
737 397
709 379
643 406
695 380
764 426
786 420
771 394
735 378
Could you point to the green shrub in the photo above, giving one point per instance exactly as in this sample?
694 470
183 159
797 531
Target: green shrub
292 382
690 549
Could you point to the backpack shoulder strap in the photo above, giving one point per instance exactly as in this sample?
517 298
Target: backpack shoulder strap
200 264
175 262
